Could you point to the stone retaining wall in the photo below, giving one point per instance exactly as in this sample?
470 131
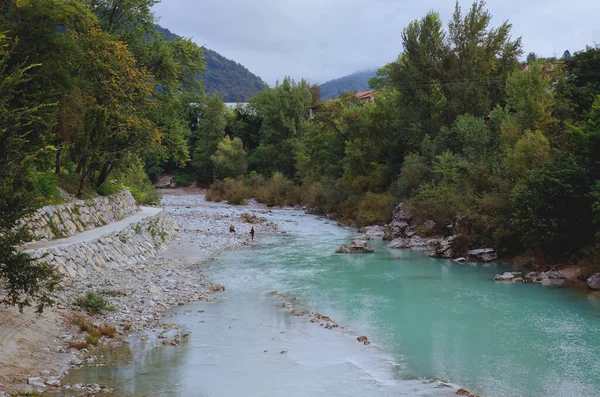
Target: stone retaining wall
65 220
136 243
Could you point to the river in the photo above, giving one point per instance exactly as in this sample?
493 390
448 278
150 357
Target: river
434 324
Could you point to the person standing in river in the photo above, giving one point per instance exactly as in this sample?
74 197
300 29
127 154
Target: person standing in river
252 232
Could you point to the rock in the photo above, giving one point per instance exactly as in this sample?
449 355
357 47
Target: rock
462 392
373 231
399 243
429 227
449 247
482 255
36 381
552 277
401 214
517 280
356 246
460 260
506 276
532 276
593 282
53 381
364 340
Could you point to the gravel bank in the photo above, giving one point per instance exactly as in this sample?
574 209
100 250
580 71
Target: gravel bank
139 294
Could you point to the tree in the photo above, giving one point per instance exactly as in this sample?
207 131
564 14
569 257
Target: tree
530 93
230 159
116 122
552 207
22 280
210 132
283 110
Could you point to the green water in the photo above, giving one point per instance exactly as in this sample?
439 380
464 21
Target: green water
429 319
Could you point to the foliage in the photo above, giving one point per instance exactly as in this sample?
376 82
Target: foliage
374 209
94 303
229 159
552 207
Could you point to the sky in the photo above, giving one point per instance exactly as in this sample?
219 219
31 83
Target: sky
320 40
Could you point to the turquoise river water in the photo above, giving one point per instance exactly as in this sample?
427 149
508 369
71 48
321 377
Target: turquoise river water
434 324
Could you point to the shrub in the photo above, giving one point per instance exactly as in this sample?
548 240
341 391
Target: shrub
184 179
44 185
107 330
79 345
374 209
108 188
92 339
83 324
93 302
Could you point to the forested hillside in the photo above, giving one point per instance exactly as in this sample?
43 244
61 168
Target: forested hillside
231 80
358 81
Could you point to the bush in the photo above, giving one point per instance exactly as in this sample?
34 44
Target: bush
94 303
44 185
184 179
108 188
92 339
134 178
374 209
107 330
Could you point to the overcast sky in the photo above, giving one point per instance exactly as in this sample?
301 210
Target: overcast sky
325 39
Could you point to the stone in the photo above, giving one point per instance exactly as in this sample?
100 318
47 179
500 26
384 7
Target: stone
36 381
356 246
532 276
460 260
429 227
447 248
517 280
154 290
399 243
506 276
53 381
552 278
482 255
593 282
373 231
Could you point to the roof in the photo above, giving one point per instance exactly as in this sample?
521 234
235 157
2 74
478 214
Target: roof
365 94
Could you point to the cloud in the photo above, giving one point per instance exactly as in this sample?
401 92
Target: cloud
324 39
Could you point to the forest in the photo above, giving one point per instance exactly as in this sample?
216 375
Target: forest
94 99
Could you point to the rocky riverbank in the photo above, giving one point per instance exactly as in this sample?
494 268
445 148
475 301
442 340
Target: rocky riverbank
40 349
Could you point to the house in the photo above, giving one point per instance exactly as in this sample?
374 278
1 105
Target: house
366 96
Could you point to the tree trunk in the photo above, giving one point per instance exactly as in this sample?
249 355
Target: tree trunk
104 172
84 174
81 164
57 162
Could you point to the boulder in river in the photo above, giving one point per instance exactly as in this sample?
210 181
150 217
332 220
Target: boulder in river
356 246
593 282
373 231
399 243
482 255
449 247
506 276
552 277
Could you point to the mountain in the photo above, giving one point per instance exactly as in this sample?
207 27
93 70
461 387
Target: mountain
228 78
358 81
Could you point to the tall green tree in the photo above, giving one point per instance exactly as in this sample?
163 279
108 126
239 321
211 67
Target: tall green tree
23 282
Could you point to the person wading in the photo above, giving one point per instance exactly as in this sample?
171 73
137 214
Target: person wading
252 232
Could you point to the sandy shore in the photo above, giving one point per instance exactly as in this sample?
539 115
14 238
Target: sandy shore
39 346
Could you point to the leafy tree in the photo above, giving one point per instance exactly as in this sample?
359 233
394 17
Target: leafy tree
531 95
210 132
529 153
22 280
552 207
283 110
230 158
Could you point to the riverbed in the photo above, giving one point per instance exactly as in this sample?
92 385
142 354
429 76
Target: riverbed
433 324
